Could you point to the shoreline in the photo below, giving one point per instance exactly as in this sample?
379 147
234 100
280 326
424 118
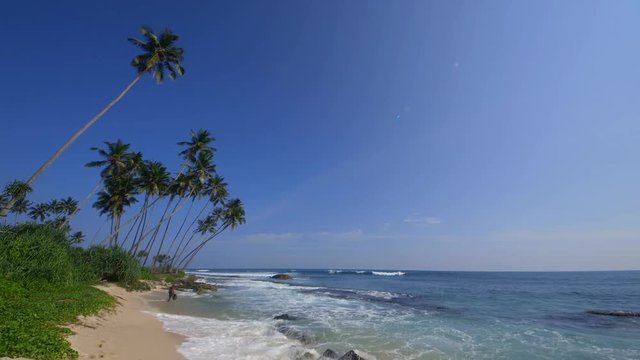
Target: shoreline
126 332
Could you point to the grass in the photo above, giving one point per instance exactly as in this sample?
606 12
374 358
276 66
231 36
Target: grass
45 283
34 314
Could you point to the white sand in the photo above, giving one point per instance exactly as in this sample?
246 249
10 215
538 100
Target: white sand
125 333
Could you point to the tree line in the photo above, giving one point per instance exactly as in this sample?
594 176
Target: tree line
161 232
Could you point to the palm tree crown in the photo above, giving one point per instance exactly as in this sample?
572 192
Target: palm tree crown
159 54
116 159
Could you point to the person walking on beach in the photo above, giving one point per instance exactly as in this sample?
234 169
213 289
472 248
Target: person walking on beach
172 293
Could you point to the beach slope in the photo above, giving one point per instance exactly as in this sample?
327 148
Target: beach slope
125 333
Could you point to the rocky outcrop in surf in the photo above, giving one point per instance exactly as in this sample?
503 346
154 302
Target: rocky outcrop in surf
329 354
284 317
620 313
281 277
190 283
350 355
293 333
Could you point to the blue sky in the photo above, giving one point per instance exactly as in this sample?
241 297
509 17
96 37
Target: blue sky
442 135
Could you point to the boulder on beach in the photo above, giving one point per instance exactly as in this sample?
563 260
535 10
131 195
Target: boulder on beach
620 313
281 277
329 354
351 355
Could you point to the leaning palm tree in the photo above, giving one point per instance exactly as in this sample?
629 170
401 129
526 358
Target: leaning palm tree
159 56
232 216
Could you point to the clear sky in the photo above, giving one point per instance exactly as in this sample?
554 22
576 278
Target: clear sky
442 135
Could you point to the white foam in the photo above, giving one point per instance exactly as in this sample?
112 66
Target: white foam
241 274
383 273
379 294
232 339
360 271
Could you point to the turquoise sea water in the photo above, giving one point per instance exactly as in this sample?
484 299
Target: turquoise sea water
409 315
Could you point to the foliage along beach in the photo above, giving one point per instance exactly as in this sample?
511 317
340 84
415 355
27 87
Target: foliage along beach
47 279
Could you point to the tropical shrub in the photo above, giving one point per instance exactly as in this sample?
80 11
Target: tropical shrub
111 264
31 251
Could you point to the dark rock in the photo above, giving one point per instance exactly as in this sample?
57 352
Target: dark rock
281 277
293 333
284 317
620 313
351 355
329 354
196 286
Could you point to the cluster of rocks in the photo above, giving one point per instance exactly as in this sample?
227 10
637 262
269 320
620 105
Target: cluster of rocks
350 355
293 333
190 283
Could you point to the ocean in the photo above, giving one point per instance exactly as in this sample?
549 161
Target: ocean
408 315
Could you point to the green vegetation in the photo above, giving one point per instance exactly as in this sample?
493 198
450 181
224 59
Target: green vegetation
45 284
33 313
46 278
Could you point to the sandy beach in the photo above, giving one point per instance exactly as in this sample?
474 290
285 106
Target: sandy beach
127 332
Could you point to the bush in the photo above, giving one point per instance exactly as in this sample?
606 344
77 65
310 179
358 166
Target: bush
31 251
147 274
111 264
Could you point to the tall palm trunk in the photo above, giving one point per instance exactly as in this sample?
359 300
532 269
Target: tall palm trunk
155 231
184 236
117 229
184 221
192 254
142 221
176 209
133 218
133 226
166 228
5 209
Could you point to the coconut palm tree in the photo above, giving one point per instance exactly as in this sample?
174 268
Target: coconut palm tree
116 159
15 190
159 56
69 205
20 207
199 142
119 193
76 238
39 212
